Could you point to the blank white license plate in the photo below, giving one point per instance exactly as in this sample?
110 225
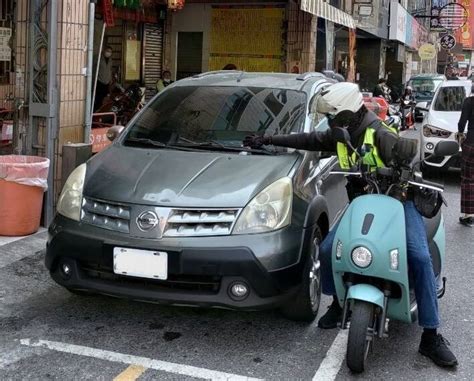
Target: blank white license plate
141 263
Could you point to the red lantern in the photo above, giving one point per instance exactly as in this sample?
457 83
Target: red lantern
175 5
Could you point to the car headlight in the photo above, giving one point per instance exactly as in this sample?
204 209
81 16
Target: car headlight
70 200
269 210
362 257
432 131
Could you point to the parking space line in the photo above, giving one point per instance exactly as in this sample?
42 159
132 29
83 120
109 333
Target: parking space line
145 362
131 373
331 364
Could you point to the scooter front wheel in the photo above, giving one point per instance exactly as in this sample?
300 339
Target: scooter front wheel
360 335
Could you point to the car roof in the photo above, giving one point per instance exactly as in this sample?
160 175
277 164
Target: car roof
428 75
301 82
456 83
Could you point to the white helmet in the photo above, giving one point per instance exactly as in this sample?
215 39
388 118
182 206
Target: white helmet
342 96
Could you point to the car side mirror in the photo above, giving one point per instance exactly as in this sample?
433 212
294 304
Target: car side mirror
446 148
423 106
114 132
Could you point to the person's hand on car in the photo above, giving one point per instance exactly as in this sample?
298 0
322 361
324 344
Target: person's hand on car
256 141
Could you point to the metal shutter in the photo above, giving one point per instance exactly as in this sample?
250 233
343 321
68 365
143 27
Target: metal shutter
153 57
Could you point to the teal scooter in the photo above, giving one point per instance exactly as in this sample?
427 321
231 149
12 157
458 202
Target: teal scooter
369 257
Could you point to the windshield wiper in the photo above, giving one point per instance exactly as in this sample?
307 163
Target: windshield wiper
146 141
216 144
156 143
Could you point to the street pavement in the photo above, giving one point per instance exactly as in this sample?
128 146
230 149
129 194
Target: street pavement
47 333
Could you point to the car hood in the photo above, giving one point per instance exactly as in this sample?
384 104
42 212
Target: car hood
447 120
172 178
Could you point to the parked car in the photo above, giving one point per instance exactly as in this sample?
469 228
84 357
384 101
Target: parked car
424 87
177 212
441 121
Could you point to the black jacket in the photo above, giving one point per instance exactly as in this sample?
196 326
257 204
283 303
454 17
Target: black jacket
385 140
467 115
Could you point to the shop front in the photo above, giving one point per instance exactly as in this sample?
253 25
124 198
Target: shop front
404 29
210 36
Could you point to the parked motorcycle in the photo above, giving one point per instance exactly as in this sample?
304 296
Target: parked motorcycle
125 103
371 274
407 109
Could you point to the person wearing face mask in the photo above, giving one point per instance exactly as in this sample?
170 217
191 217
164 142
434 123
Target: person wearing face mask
104 77
164 81
378 146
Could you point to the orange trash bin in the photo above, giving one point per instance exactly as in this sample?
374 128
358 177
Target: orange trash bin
23 181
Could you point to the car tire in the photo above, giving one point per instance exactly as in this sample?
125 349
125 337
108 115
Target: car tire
304 305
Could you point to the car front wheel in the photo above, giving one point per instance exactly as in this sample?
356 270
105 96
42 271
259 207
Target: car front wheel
304 305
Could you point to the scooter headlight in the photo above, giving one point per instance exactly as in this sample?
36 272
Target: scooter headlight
362 257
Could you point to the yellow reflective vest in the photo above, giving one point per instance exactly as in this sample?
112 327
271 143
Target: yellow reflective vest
370 154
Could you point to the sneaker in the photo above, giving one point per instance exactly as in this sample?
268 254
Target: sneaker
332 317
467 221
436 348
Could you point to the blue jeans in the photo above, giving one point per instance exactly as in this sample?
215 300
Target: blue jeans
419 262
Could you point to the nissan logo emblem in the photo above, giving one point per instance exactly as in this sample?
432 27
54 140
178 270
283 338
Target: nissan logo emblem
147 221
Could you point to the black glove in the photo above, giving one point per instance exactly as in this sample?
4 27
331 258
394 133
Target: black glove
256 141
405 150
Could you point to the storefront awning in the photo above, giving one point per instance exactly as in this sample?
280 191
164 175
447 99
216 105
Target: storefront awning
322 9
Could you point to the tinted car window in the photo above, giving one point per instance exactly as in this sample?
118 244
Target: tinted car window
223 114
450 99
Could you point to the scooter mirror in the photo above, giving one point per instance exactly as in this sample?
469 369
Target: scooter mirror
446 148
341 135
114 131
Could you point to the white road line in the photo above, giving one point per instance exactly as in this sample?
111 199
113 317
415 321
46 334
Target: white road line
165 366
331 364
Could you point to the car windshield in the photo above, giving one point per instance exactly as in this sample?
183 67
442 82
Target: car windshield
221 115
450 99
424 87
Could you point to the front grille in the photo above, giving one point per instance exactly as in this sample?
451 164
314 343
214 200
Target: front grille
195 223
106 215
179 222
192 283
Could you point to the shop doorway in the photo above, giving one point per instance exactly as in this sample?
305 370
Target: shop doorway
189 57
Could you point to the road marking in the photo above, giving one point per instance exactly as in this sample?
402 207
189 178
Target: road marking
131 373
331 364
145 362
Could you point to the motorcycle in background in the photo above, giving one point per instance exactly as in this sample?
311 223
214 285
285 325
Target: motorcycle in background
125 103
407 109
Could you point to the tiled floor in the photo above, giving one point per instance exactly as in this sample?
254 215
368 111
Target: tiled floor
6 240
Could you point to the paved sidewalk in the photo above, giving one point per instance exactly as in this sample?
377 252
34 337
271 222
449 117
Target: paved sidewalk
13 249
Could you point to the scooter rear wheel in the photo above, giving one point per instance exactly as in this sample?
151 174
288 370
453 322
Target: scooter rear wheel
360 335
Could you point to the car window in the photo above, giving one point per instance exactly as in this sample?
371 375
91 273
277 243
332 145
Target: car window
425 87
323 125
450 99
220 113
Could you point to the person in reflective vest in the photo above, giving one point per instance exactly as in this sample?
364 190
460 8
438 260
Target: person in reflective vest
379 146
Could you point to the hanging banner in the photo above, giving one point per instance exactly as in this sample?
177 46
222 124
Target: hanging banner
5 50
464 36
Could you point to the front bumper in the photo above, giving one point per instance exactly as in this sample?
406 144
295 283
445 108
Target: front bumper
200 270
442 163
